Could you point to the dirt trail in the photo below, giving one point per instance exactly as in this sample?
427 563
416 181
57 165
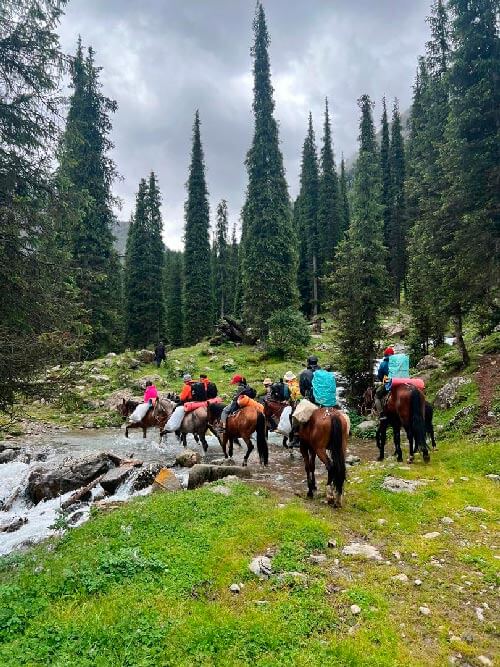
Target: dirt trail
488 380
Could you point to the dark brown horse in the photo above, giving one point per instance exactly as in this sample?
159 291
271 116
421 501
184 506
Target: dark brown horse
392 420
325 435
405 407
156 417
242 424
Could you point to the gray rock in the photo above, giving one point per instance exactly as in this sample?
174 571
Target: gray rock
221 490
431 536
362 550
367 425
261 566
13 525
355 610
204 472
475 510
428 362
484 660
447 520
234 588
99 378
317 559
401 577
134 364
8 455
418 582
146 476
352 460
146 356
493 477
223 462
114 477
398 485
425 611
447 395
43 484
332 543
140 383
188 458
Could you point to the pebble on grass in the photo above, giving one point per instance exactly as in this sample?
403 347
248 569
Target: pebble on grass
355 610
425 611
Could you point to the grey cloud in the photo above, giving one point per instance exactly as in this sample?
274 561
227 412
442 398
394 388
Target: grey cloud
163 59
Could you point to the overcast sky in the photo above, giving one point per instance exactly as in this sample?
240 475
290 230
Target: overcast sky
162 59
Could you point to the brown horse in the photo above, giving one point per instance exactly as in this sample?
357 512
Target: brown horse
156 417
325 435
194 422
242 424
405 407
272 411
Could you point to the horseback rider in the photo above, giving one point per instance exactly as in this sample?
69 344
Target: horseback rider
382 376
186 391
293 385
267 382
306 378
177 415
243 390
150 394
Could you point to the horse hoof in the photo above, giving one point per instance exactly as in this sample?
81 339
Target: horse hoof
427 457
310 494
380 458
400 459
244 464
410 459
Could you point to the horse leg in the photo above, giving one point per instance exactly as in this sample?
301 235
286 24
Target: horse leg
126 431
397 442
144 429
312 466
223 444
430 431
204 442
248 442
409 435
304 450
381 438
231 445
332 497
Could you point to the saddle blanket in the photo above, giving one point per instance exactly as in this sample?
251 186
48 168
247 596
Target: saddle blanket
194 405
416 382
246 401
139 413
304 410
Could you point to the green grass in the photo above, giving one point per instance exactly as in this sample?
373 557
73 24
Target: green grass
148 584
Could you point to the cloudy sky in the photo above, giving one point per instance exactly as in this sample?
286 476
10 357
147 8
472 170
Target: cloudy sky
162 59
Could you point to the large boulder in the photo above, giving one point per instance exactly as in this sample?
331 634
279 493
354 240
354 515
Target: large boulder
140 383
395 330
8 455
146 356
44 484
166 480
188 458
447 396
146 476
114 477
428 362
116 398
204 472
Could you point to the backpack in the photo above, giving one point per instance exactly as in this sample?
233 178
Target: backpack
399 366
280 391
198 392
248 391
212 390
325 388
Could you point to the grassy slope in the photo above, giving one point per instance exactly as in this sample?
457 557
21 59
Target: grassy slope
148 584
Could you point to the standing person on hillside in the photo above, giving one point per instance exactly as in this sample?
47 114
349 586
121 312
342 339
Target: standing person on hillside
160 354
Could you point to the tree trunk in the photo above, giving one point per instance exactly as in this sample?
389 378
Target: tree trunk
459 335
315 287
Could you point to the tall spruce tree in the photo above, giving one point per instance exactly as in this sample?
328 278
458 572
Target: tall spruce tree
87 172
397 220
174 289
197 289
385 165
156 324
344 199
222 255
306 220
269 261
234 276
470 159
330 222
359 283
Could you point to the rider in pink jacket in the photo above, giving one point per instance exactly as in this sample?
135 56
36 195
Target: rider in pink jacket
151 393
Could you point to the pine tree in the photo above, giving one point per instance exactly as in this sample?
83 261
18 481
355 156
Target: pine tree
269 262
470 159
174 289
397 221
385 165
306 220
330 216
156 317
359 284
234 277
87 173
137 256
197 290
222 268
344 199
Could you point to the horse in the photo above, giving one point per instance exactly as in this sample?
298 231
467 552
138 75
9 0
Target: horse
405 407
195 422
325 435
242 424
395 423
367 401
273 410
156 417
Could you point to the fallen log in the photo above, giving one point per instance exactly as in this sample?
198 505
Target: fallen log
82 494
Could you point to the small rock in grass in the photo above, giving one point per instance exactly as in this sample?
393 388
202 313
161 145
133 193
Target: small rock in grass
464 479
497 479
398 485
485 661
446 520
431 536
261 566
418 582
355 610
454 638
364 550
331 544
479 614
352 460
425 611
401 577
222 490
381 522
234 588
468 637
396 555
261 602
475 510
317 558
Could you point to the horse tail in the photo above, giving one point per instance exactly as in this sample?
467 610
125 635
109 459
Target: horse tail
417 418
337 453
260 429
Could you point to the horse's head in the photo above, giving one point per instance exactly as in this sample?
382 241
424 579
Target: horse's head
126 407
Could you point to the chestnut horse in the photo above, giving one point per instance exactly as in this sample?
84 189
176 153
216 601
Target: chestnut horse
195 422
156 417
242 424
405 407
325 435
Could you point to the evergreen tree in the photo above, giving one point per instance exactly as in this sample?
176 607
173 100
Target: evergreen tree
86 173
397 221
306 220
234 276
197 290
174 288
344 199
470 159
269 262
156 319
222 298
385 164
359 284
330 215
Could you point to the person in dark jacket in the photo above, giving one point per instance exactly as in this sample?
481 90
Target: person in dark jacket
160 354
243 389
306 378
382 375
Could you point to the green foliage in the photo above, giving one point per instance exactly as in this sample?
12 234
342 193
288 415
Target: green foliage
174 288
222 266
197 300
398 215
288 333
269 260
385 166
344 199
